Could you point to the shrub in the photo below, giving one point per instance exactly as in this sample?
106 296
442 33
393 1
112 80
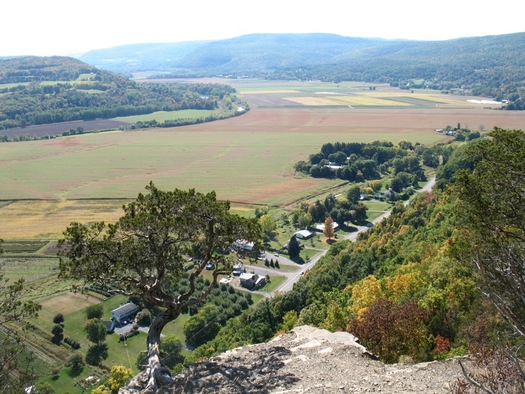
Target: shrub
144 317
72 342
58 334
94 311
76 364
59 318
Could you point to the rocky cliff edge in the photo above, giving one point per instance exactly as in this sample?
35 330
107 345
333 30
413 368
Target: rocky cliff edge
309 360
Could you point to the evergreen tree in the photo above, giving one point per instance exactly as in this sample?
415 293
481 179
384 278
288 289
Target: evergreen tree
294 249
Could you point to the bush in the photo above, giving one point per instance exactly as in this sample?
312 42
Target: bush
72 342
144 317
127 335
94 311
59 318
76 364
58 334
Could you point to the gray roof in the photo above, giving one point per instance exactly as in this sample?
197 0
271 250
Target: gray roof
126 308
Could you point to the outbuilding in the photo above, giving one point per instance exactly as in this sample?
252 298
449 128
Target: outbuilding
124 312
303 234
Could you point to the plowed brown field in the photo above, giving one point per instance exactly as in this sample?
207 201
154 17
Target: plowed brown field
247 159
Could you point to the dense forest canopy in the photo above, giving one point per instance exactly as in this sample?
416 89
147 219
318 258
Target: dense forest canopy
409 286
490 66
37 91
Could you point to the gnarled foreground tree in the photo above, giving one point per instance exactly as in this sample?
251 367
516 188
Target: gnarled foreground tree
161 236
491 212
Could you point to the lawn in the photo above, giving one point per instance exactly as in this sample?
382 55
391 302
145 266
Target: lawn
275 282
247 159
161 116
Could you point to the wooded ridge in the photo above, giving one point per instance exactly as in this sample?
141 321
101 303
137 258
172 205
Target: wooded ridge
43 90
491 66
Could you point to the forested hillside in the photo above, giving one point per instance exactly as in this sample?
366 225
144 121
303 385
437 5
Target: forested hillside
490 66
42 90
409 287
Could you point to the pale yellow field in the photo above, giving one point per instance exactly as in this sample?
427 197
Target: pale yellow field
346 100
49 218
247 159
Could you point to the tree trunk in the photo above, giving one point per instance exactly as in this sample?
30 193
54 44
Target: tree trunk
158 374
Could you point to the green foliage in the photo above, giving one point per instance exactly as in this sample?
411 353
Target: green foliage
353 194
104 95
203 326
144 317
493 221
95 331
268 226
289 321
360 161
76 364
94 311
16 362
97 353
171 348
294 249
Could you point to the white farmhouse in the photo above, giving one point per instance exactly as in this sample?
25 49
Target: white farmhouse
124 312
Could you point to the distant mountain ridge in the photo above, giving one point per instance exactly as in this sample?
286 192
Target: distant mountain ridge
253 52
489 65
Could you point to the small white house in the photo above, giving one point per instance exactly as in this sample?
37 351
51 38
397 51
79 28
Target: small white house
303 234
320 227
124 312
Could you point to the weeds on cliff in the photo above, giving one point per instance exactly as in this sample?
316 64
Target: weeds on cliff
495 367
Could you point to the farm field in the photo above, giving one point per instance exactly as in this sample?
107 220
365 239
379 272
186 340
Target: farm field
247 159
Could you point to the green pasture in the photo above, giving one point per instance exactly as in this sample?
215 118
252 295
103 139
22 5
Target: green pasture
249 166
33 270
66 382
247 159
161 116
245 86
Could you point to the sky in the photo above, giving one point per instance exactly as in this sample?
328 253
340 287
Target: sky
71 28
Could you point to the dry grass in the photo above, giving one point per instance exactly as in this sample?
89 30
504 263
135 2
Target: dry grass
247 159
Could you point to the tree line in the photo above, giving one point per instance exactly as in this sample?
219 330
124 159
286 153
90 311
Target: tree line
36 104
52 90
360 162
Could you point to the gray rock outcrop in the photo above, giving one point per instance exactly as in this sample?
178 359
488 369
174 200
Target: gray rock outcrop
309 360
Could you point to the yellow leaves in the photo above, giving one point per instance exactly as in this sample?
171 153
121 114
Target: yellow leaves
405 283
403 229
335 318
364 294
119 376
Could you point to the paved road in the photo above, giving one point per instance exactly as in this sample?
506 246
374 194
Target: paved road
290 281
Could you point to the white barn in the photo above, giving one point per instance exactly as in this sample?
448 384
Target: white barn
124 312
